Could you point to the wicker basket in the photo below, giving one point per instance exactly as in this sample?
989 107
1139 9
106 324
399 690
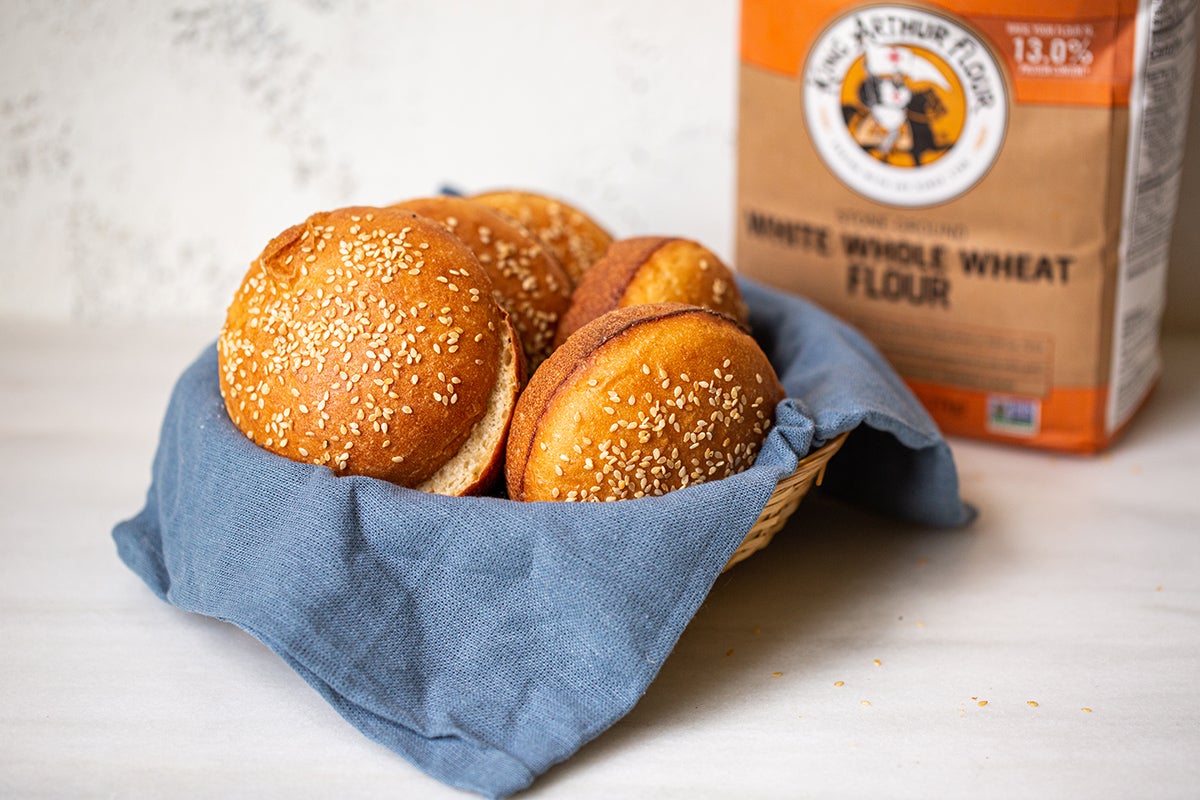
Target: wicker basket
786 497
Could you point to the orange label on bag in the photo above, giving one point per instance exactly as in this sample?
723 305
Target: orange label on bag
1061 53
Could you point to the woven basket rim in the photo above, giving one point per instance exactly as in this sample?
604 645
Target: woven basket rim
789 491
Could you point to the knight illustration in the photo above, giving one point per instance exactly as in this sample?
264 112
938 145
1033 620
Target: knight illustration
897 104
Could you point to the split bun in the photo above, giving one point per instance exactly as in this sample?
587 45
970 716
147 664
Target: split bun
368 340
641 401
653 269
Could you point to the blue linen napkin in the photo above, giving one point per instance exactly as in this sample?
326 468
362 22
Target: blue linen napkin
486 640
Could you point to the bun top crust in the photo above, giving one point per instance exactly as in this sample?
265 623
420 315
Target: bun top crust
641 401
653 269
364 339
575 239
529 282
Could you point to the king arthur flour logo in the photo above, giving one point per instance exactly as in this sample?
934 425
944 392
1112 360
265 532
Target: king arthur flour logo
906 107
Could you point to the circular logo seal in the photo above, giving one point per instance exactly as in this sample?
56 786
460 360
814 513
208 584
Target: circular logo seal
906 107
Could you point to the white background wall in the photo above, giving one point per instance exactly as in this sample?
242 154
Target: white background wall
148 149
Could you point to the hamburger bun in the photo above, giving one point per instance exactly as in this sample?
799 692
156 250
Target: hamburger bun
574 238
367 340
641 401
529 282
653 269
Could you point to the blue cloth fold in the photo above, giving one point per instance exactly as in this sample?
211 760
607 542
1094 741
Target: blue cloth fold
486 640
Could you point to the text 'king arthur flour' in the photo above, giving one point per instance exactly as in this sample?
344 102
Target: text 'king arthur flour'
985 188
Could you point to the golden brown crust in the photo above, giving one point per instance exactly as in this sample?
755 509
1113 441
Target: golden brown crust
575 239
366 340
529 282
641 401
653 269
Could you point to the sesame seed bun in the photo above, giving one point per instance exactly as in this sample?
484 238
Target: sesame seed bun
529 282
367 340
641 401
575 239
653 269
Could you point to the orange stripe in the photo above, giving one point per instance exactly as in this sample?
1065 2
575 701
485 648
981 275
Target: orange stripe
777 34
1072 419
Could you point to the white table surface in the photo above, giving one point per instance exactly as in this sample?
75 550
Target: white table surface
1051 650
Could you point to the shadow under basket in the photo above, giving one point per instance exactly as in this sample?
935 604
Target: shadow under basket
784 500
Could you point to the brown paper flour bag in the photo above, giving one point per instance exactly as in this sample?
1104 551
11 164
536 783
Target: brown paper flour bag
985 188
